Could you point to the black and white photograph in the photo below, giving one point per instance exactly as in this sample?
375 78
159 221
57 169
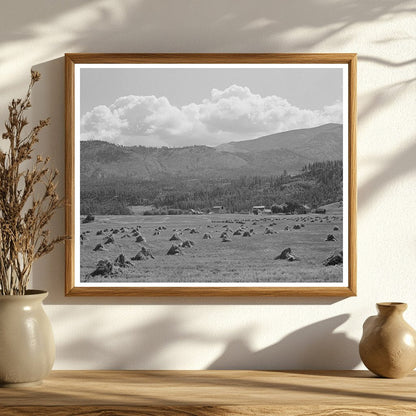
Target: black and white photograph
211 175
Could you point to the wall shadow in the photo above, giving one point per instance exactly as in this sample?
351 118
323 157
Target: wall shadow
313 347
52 27
142 346
48 100
394 168
382 98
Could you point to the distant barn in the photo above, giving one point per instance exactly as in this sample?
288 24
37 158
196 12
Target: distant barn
218 209
258 209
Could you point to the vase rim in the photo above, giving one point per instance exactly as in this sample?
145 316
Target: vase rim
30 293
401 306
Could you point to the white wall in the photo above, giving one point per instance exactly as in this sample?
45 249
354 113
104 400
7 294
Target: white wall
198 333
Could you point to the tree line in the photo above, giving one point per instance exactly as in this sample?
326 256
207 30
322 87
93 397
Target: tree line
317 184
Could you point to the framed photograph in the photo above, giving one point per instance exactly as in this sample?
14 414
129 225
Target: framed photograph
211 174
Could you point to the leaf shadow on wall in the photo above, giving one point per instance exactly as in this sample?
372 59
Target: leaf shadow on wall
137 347
151 345
242 27
394 168
190 26
313 347
403 162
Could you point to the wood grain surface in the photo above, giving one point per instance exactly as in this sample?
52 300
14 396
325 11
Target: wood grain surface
203 393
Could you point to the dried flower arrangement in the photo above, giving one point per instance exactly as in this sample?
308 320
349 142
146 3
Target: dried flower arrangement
28 199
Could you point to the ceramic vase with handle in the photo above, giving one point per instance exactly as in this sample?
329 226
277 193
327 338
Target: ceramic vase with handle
27 347
388 345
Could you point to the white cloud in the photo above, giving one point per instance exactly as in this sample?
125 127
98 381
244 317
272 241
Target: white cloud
333 112
101 122
234 113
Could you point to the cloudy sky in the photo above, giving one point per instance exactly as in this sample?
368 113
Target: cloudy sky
182 107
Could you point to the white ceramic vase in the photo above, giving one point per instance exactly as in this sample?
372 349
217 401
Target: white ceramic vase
27 347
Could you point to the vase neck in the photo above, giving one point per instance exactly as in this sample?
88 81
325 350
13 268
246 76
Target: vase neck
390 308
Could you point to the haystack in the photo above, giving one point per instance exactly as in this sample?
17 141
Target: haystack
99 247
143 254
140 239
121 261
187 244
103 268
330 237
88 218
174 250
336 258
207 236
175 237
286 254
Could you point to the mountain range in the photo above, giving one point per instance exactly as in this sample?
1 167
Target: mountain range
268 155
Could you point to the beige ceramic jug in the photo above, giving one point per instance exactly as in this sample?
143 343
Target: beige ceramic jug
388 344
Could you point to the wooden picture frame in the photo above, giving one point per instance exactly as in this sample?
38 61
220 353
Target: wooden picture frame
154 118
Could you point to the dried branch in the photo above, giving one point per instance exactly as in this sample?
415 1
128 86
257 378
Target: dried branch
23 218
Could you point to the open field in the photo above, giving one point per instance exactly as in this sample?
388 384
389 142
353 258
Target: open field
243 259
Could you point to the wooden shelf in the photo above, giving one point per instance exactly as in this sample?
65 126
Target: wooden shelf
203 393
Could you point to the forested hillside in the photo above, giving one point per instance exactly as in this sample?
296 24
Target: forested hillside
303 166
319 183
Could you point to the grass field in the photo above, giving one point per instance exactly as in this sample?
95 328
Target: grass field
243 259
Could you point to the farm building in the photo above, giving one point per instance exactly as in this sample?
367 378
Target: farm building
267 212
218 209
258 209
